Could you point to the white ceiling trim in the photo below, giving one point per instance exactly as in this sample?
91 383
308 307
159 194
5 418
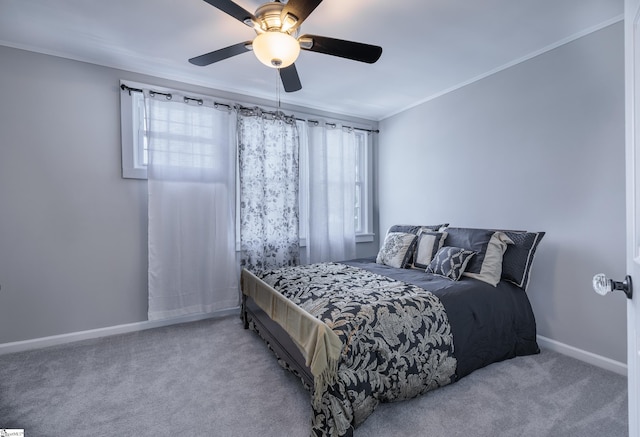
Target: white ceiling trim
548 48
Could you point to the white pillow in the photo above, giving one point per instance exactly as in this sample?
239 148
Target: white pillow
427 246
397 249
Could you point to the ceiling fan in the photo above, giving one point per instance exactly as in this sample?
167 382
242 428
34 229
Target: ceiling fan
277 43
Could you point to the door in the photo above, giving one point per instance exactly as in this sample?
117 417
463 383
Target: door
632 110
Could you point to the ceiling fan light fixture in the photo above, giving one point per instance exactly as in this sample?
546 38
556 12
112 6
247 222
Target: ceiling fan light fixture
288 22
278 41
276 49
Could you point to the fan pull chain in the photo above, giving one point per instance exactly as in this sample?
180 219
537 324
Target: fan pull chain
278 87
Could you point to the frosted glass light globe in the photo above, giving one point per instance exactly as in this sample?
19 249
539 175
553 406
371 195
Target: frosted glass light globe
276 49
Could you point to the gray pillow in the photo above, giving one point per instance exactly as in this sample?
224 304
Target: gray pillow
517 259
450 262
489 246
416 229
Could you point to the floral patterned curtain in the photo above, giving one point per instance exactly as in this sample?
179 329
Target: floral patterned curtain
268 167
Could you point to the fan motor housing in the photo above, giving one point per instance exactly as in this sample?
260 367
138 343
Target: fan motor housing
269 15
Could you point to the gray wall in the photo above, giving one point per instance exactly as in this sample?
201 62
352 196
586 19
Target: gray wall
538 146
72 231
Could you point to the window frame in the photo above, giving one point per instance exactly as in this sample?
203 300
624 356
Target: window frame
365 166
132 168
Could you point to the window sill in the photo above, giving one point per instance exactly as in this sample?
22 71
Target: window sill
134 173
365 238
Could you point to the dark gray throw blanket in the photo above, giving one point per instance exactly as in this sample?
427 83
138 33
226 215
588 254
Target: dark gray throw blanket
396 337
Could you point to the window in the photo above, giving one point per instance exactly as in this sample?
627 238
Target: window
363 217
363 192
134 135
135 158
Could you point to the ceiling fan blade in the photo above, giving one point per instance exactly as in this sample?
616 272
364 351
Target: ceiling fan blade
290 78
300 9
345 49
233 9
219 55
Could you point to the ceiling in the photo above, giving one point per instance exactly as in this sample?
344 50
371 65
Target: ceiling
429 46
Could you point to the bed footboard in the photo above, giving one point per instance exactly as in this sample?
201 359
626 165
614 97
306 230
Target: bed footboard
277 338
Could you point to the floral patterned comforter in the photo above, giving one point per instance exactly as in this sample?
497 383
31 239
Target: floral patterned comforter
396 339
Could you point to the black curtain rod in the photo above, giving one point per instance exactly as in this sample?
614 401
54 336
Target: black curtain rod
168 96
315 122
129 89
375 131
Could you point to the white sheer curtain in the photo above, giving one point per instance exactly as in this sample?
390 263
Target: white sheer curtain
191 181
268 164
332 190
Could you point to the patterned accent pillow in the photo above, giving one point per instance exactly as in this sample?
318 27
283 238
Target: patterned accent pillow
489 246
427 246
397 249
450 262
517 260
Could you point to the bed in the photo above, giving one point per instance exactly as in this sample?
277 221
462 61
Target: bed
435 304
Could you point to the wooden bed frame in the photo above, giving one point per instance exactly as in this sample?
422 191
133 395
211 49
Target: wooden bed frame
277 338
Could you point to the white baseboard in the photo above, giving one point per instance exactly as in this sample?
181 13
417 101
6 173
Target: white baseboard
54 340
582 355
